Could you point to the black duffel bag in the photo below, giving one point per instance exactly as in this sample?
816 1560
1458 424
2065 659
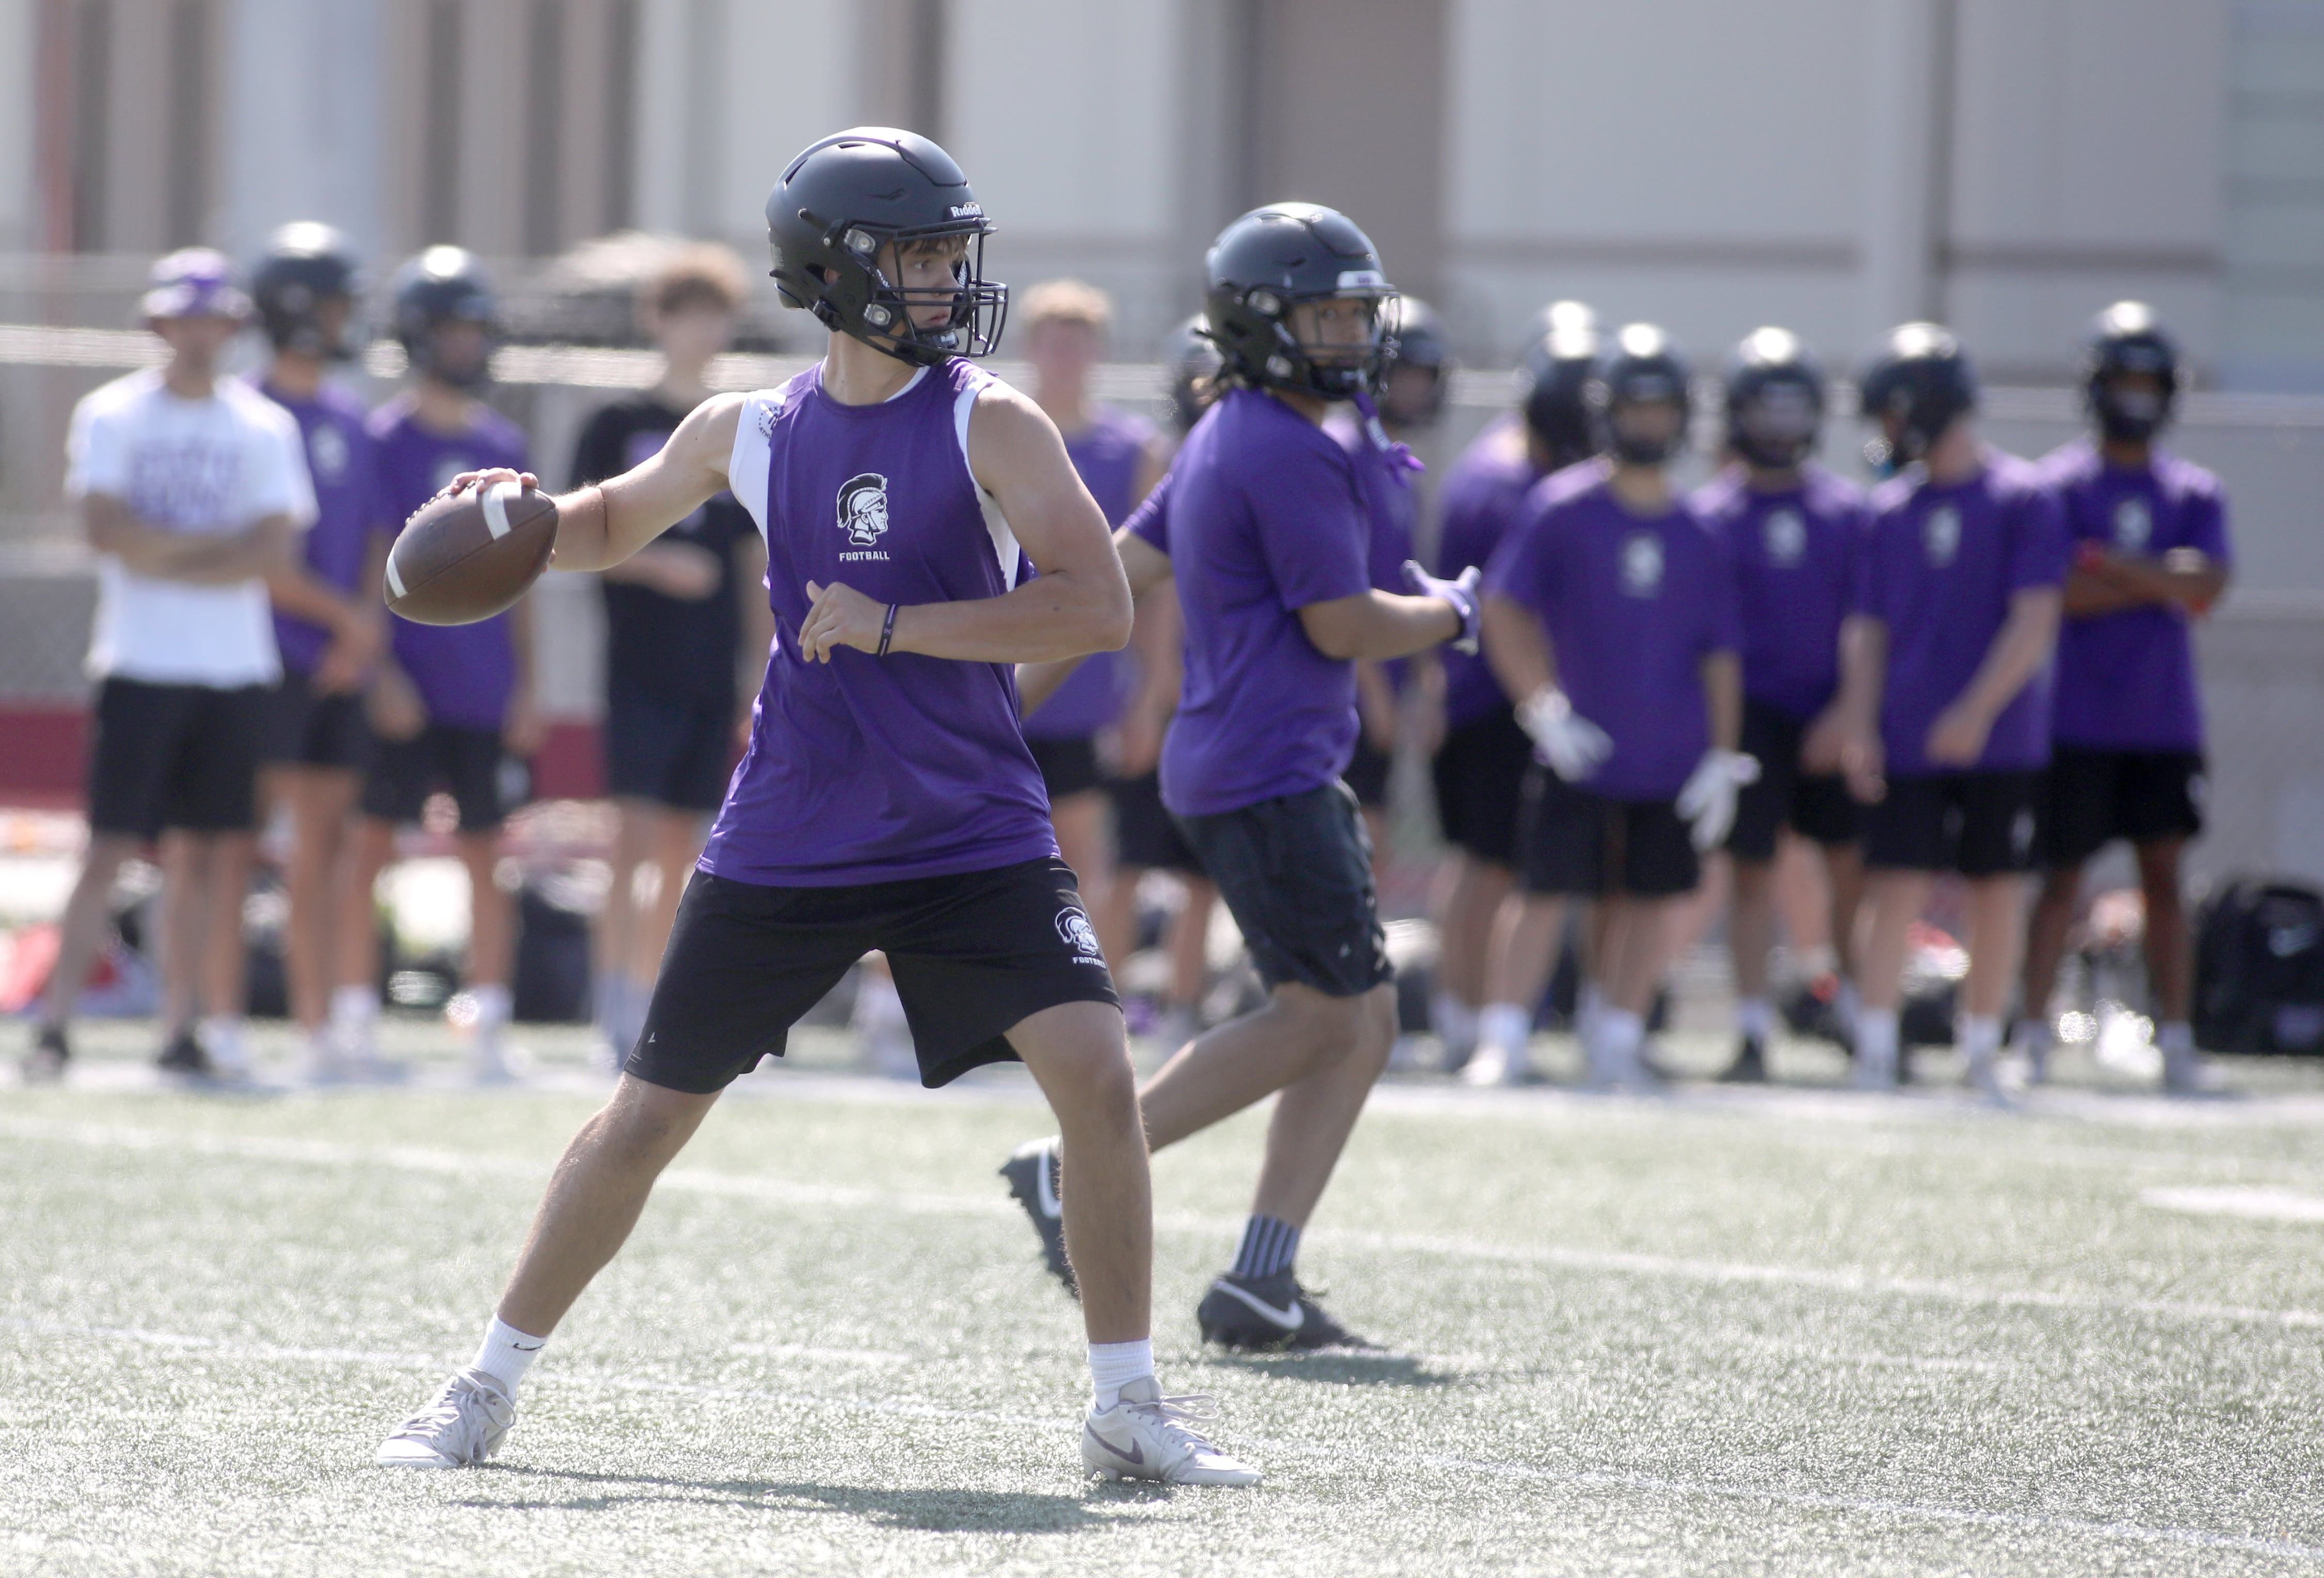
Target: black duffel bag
2259 968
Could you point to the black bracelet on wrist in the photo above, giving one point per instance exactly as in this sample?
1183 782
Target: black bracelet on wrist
887 631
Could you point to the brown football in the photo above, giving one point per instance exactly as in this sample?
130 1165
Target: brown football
467 557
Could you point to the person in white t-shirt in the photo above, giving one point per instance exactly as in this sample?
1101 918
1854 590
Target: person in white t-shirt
192 489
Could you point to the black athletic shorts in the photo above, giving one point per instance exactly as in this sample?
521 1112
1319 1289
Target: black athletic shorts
974 954
2092 797
467 763
1144 834
304 729
175 756
1367 774
1815 805
1297 875
1068 767
1980 824
1572 842
1481 771
673 753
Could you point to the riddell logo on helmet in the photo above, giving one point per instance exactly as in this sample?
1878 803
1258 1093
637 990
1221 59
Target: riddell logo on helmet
966 211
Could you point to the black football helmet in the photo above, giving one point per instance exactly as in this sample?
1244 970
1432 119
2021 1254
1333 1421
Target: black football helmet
1415 337
444 284
1775 399
1638 366
1921 380
306 264
1194 364
1551 373
2128 338
1267 263
853 193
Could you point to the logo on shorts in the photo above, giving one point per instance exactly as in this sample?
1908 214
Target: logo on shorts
864 508
327 454
1786 538
1642 564
2133 525
1079 935
1940 534
2021 835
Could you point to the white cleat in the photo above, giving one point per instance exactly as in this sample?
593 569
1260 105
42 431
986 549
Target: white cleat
1494 1066
1148 1436
492 1061
465 1423
1983 1075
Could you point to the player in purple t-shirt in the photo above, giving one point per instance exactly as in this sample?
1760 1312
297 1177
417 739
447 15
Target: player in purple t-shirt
329 619
887 799
454 709
1482 755
1262 526
1955 616
1795 531
1610 610
2150 534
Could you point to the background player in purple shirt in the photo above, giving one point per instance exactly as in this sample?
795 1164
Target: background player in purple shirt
2150 535
1610 610
328 620
1481 755
1956 611
887 799
454 707
1794 532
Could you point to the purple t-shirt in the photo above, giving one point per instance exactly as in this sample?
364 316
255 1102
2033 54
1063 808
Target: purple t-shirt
464 673
2127 679
1484 496
867 769
1391 508
1632 606
1107 455
1260 516
1795 554
1941 567
341 460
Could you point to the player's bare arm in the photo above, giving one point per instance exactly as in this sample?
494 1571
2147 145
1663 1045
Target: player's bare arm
1078 605
1516 649
1147 570
2020 648
259 550
1722 699
1379 624
1824 747
2106 582
1863 672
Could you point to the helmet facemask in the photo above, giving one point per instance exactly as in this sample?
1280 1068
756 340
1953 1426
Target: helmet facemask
1775 427
1272 350
2132 404
858 297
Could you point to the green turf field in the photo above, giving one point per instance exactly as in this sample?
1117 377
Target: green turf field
1792 1332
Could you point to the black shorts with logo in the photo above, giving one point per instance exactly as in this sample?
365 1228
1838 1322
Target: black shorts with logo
1480 772
1368 774
181 756
1980 823
1145 835
1297 875
1572 842
467 763
669 752
1068 766
974 954
1815 806
2090 797
304 729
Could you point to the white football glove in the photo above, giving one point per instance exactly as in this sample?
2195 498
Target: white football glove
1460 592
1569 744
1707 799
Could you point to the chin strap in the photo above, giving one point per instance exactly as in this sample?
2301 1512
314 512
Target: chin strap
1399 456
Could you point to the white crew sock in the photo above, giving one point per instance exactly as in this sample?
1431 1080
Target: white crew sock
1114 1365
1980 1038
1505 1027
1454 1021
1849 1005
1876 1044
2175 1039
354 1006
1755 1018
1612 1046
1589 1002
492 1004
507 1354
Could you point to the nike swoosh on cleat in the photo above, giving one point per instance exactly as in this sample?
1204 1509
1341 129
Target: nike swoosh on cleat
1291 1317
1046 1195
1136 1453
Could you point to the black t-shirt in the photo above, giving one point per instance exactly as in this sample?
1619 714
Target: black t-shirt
666 646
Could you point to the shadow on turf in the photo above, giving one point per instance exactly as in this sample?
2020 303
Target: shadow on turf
1341 1369
944 1510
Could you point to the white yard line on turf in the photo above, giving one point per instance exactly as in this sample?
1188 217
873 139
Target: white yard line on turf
780 1191
1440 1463
2252 1202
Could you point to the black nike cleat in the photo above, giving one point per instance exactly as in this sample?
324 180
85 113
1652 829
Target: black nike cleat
184 1054
1750 1065
1267 1313
45 1063
1035 1174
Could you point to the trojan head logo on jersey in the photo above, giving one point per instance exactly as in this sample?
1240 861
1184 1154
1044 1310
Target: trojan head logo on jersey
1080 936
2133 525
1642 564
1940 534
864 508
1785 537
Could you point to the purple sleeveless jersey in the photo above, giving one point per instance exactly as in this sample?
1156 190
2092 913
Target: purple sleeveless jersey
348 508
873 770
1106 453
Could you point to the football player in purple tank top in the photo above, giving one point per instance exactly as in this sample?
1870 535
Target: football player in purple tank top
1610 609
1794 532
2150 533
887 799
1262 525
1955 615
329 619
